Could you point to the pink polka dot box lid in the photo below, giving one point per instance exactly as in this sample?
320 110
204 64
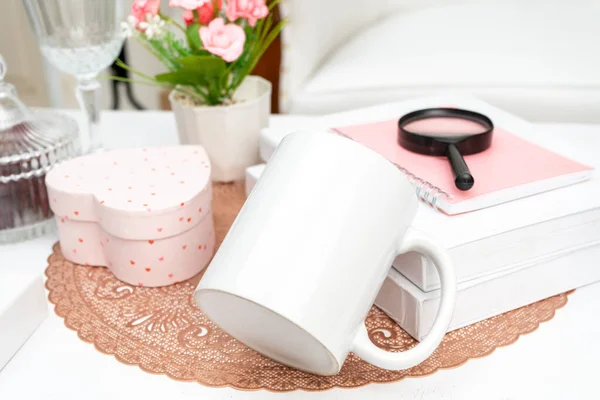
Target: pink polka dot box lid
125 199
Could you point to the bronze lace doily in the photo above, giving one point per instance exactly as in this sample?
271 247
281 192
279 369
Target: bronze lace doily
162 331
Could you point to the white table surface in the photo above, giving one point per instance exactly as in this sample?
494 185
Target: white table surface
557 361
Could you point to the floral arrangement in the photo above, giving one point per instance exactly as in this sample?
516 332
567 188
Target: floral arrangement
209 54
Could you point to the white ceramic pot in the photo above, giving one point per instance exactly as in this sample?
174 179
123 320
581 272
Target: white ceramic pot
229 134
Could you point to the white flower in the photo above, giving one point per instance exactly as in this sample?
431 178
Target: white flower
128 27
153 27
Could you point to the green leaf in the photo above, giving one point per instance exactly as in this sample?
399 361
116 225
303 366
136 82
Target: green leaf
179 48
273 4
265 43
266 28
175 47
193 37
205 65
196 70
168 60
181 77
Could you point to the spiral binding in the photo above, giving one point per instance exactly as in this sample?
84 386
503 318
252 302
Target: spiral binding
426 192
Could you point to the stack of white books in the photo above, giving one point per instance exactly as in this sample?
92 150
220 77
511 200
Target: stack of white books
507 255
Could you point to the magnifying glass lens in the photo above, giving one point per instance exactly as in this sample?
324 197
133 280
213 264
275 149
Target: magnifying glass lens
447 132
445 127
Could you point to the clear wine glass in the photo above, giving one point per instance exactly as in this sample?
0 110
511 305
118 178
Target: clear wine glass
81 38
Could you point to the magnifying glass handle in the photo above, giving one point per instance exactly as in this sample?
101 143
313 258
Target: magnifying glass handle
462 176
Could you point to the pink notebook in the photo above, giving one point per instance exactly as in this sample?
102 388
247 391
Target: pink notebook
510 169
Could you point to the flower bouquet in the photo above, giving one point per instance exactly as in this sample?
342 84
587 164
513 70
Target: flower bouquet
208 52
211 52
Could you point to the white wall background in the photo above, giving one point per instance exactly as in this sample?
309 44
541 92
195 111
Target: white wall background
19 49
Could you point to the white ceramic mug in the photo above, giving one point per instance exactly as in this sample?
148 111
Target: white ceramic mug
304 260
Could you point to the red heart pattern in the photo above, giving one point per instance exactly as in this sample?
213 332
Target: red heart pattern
140 199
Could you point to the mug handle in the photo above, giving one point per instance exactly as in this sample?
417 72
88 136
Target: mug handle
366 350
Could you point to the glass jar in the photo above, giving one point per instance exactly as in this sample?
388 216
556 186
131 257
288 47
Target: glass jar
30 144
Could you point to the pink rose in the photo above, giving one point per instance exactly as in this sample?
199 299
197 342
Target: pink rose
225 41
252 10
205 13
188 4
188 17
141 8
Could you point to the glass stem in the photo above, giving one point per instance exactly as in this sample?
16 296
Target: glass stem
88 95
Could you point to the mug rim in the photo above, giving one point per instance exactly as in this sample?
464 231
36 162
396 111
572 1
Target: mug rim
346 139
335 362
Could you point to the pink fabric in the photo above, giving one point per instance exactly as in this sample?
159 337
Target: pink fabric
252 10
144 213
225 41
510 161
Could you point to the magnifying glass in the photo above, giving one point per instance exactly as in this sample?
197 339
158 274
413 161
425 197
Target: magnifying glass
450 132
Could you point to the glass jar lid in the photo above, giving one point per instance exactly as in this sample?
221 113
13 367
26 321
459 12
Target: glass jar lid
30 143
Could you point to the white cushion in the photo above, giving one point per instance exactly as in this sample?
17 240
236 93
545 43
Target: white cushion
542 62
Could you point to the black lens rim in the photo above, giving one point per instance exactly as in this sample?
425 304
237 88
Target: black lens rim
466 144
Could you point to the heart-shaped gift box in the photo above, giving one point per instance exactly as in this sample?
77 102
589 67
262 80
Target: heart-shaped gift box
143 213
